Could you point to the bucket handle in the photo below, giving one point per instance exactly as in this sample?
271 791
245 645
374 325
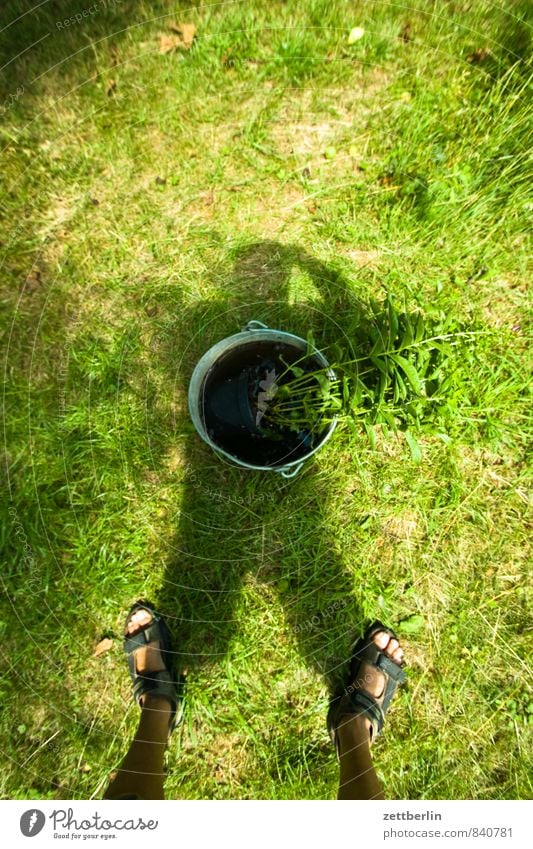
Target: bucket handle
285 474
253 324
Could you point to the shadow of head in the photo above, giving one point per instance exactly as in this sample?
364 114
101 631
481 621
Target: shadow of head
282 285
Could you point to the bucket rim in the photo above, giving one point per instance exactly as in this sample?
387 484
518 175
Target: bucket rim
249 334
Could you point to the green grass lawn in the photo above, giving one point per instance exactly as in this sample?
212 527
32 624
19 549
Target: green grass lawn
152 204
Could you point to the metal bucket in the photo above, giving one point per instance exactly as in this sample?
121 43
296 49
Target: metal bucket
253 332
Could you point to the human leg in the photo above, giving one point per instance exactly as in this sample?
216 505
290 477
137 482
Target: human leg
140 774
357 717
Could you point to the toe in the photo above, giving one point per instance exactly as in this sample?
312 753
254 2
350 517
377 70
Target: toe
138 619
143 617
381 639
397 655
392 646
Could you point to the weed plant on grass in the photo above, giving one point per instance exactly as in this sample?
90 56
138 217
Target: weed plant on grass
151 204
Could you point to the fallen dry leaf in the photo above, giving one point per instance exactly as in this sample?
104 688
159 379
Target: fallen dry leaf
33 281
182 40
228 59
103 646
478 55
362 257
405 32
355 34
167 43
188 32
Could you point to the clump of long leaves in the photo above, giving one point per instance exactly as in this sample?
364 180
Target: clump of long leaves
403 377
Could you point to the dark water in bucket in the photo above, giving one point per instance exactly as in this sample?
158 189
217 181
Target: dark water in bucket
229 415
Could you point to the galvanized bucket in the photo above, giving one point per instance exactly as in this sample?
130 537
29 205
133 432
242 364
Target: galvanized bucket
253 332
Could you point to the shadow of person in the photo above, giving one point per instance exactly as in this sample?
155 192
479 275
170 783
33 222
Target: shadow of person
237 525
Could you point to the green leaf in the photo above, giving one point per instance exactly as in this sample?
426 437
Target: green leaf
408 333
412 624
383 385
380 364
396 393
410 372
323 381
420 328
388 418
375 307
393 321
335 353
369 430
345 390
414 447
379 344
358 392
402 388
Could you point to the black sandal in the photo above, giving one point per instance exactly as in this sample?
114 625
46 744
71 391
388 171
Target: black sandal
356 700
161 683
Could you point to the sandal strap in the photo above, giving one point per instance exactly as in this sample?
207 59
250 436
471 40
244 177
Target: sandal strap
149 634
391 669
158 683
394 676
363 703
